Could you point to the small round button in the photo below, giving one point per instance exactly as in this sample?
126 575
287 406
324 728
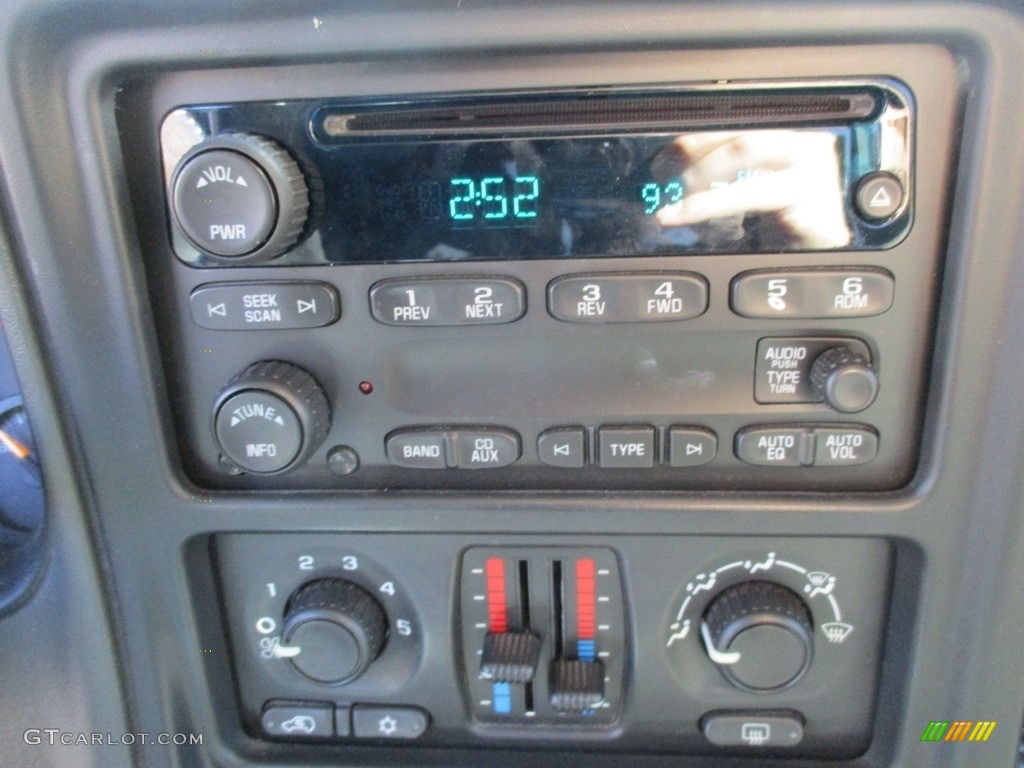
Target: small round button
879 195
224 203
844 379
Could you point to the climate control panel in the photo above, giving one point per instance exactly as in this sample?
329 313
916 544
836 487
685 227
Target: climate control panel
684 644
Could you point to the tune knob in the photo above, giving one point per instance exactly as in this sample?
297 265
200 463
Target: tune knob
333 630
760 635
241 197
271 417
844 379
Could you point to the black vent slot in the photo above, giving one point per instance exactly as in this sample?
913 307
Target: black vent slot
590 113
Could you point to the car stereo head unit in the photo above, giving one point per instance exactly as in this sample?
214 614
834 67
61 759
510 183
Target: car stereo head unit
552 175
717 286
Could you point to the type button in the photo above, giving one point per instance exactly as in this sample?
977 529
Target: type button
626 447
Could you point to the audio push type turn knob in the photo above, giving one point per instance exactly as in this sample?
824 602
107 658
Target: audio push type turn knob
844 379
241 197
271 417
759 633
333 630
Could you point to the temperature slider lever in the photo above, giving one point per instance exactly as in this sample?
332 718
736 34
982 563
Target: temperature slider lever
510 657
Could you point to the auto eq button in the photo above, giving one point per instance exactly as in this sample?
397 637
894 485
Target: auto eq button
776 446
298 721
264 306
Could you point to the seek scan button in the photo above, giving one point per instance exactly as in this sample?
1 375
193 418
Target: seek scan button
264 306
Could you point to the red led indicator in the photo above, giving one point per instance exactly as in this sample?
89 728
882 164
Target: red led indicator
497 605
586 599
366 387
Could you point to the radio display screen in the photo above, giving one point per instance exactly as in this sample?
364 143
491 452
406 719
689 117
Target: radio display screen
696 192
564 176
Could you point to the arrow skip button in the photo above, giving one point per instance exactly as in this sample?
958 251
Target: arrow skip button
563 447
691 446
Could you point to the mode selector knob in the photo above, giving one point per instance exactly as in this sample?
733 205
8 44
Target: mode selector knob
333 630
760 635
271 417
844 379
241 197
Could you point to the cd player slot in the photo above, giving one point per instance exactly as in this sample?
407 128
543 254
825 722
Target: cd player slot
600 111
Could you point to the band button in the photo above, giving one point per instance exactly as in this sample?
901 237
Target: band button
417 449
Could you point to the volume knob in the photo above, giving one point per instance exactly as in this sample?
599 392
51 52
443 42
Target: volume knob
334 629
241 197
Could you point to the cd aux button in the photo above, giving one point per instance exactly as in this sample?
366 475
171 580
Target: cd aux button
485 449
264 306
820 293
628 298
448 301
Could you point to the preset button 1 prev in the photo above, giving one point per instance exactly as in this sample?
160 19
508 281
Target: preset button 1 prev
448 301
263 306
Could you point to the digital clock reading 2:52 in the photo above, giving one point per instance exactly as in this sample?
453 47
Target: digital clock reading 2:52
494 199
